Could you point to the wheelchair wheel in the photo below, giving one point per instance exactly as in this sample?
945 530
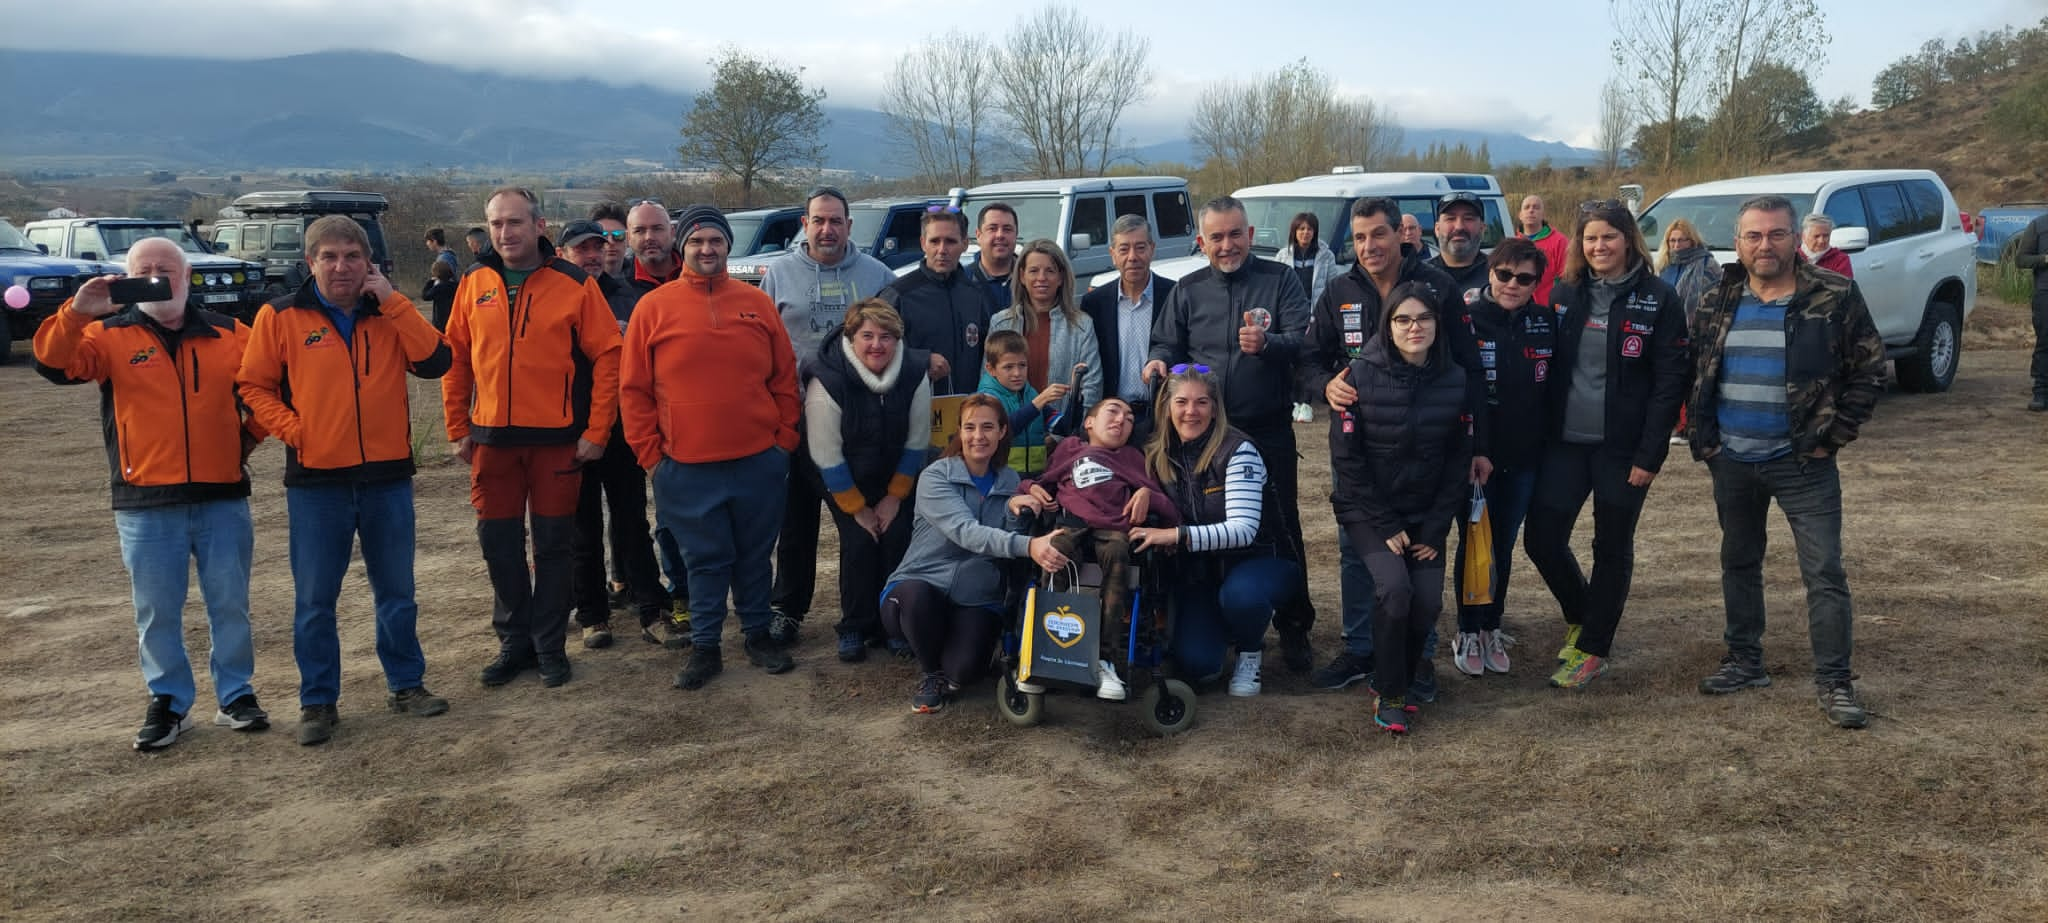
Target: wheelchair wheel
1023 709
1169 707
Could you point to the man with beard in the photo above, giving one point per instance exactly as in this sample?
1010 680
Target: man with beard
1459 223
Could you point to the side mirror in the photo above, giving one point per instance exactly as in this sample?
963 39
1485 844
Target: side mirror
1850 240
1079 242
45 248
87 254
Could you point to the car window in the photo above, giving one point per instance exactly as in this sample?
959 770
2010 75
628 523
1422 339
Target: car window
285 238
1890 219
1928 207
903 227
1091 217
1133 204
1271 217
1496 226
225 238
255 237
1170 214
779 232
1712 215
1846 207
52 238
86 243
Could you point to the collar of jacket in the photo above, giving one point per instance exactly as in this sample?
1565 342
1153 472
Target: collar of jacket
308 297
496 260
698 280
133 316
878 384
943 278
1807 282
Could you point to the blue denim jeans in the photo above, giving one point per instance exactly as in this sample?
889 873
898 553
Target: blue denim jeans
157 545
1210 619
1809 491
1508 494
325 520
725 516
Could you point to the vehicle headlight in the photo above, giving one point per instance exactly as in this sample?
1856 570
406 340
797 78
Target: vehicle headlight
46 284
238 277
198 279
22 281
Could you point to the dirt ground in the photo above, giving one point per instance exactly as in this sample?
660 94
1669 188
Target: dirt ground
818 796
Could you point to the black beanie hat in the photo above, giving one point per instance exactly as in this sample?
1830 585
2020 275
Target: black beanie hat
698 216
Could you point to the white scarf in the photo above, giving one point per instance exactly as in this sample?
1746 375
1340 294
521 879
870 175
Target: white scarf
879 384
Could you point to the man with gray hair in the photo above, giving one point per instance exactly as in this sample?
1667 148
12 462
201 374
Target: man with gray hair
1123 315
1815 245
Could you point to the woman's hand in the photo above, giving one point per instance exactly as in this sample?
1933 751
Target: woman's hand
1423 552
885 513
868 520
1045 555
1399 543
1148 538
1139 506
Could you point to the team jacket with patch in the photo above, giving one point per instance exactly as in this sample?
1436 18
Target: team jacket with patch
1518 353
539 369
1198 323
174 430
340 406
1649 365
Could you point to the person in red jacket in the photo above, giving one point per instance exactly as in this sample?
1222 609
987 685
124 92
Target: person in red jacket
176 441
326 371
529 397
708 393
1553 244
1815 244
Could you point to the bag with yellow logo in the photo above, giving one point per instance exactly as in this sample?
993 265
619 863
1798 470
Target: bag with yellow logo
1062 636
1475 579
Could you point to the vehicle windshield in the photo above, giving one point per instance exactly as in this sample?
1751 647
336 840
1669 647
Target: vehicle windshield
1270 219
869 223
11 239
745 232
1037 216
1713 215
120 237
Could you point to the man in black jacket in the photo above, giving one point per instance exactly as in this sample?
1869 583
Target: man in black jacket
944 312
1459 223
1244 318
2030 252
1123 315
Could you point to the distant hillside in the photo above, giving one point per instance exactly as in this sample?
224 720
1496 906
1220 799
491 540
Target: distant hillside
1504 148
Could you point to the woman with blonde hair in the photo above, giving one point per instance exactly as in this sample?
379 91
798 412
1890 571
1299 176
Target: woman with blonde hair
1685 264
1042 308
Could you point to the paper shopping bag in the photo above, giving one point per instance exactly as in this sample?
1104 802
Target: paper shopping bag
1475 579
1061 636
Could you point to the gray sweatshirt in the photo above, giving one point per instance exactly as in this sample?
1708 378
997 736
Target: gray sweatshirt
1585 408
812 298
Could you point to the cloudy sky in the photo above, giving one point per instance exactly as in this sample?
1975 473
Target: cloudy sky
1533 67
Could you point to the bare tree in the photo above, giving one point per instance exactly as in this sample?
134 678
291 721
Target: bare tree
1288 124
1063 84
1615 124
756 118
937 97
1758 32
1664 47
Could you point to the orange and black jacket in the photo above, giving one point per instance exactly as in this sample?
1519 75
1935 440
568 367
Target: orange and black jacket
339 406
175 432
539 369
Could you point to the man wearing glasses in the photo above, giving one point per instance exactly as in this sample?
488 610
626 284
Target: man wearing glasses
611 216
812 286
1789 367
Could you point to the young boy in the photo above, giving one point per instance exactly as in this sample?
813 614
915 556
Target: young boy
1006 375
1103 491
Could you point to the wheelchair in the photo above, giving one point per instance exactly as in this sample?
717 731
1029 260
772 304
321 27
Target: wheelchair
1167 703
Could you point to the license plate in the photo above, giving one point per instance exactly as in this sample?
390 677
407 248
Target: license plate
220 298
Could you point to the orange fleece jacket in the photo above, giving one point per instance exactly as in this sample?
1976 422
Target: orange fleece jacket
708 373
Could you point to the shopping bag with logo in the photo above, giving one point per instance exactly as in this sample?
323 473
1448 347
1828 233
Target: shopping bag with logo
1475 579
1062 634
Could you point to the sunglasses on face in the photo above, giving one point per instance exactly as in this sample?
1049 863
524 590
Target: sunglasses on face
619 234
1186 367
1519 278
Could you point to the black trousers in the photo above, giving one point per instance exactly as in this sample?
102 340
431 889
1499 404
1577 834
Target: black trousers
1274 437
796 549
1569 474
958 641
2040 364
615 487
1408 597
865 563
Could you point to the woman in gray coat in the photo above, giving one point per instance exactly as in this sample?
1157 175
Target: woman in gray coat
1043 309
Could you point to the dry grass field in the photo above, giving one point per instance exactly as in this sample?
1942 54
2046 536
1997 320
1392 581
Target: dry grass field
818 796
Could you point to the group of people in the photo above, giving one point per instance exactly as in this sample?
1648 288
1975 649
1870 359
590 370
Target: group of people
1150 414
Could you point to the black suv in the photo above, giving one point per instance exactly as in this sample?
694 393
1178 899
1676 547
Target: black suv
270 228
219 283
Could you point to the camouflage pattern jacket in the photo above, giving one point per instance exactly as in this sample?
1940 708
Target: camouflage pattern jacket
1834 360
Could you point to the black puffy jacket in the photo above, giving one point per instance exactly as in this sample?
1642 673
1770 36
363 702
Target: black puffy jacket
1405 462
1518 352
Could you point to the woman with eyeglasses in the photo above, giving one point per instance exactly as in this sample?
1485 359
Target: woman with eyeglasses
1614 388
1229 575
1057 335
1407 458
1517 343
1687 265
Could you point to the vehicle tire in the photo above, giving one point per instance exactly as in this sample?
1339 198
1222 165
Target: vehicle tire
1169 707
1937 351
1023 709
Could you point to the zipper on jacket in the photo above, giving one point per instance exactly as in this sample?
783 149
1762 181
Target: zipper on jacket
355 375
184 406
512 345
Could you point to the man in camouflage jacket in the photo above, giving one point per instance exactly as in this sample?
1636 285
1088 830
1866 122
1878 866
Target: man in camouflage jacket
1789 366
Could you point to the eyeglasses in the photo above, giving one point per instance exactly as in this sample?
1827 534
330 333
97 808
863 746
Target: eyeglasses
942 210
1519 278
1185 367
1752 238
615 234
1405 321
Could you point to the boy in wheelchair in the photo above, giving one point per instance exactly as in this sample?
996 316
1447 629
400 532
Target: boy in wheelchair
1103 490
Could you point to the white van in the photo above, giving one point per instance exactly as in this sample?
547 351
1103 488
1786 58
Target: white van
1077 214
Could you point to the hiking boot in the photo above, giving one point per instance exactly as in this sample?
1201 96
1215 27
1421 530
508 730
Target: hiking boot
704 664
1844 710
782 629
1422 681
160 725
853 647
664 632
597 636
932 692
417 701
1735 675
1392 714
763 652
2038 404
508 666
554 669
1108 686
316 724
1244 681
1493 651
1578 669
1571 642
243 714
615 595
1346 668
1467 656
1296 652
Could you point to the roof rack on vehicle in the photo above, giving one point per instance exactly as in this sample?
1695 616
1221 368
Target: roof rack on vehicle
311 201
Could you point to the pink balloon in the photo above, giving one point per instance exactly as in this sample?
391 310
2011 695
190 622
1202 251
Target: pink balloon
17 297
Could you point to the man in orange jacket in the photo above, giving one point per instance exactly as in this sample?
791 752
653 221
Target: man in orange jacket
708 393
176 440
529 397
325 370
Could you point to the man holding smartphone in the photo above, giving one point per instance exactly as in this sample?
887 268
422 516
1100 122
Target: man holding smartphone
177 441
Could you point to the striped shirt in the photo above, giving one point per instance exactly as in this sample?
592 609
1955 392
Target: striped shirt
1244 488
1753 409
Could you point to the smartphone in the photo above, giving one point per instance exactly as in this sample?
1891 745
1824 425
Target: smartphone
139 289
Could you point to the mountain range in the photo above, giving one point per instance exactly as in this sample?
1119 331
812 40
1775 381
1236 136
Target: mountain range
366 111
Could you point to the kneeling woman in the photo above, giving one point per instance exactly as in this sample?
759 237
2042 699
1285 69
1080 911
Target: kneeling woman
1407 463
946 598
1230 576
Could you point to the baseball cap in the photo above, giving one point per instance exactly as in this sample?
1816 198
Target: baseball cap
580 231
1460 198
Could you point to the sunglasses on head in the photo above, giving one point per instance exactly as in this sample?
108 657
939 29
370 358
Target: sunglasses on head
1596 204
1186 367
1519 278
647 201
943 210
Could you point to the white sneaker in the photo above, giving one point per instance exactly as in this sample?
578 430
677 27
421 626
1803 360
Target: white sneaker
1245 682
1679 440
1496 653
1466 656
1303 413
1029 687
1107 685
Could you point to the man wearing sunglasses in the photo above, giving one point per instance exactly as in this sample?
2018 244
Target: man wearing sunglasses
611 216
1459 223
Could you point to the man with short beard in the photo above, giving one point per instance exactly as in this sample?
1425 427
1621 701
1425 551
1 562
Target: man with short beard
177 440
995 231
651 236
1458 226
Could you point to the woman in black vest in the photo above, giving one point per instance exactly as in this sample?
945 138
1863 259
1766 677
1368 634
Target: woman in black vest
1229 576
1407 460
869 429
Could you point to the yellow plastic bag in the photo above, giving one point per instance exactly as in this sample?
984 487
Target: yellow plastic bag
1475 579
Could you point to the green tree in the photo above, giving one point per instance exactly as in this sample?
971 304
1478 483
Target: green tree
756 119
1770 110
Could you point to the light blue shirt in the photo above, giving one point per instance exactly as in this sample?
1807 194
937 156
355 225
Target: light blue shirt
1134 342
